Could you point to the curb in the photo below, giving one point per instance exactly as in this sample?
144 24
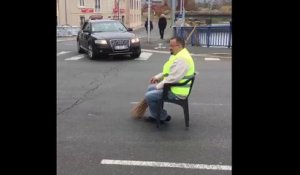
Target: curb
60 39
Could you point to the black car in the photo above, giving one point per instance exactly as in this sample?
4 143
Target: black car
107 37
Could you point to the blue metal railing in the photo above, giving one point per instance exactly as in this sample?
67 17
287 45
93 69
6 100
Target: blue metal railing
206 35
63 31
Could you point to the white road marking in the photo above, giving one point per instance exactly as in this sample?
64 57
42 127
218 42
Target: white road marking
166 164
212 59
163 47
65 39
160 46
156 51
196 104
168 52
63 52
93 115
143 36
144 56
75 57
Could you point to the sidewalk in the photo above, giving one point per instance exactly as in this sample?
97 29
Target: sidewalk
154 39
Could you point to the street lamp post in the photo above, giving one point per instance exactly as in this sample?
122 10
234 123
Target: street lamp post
119 10
183 13
173 12
148 27
66 12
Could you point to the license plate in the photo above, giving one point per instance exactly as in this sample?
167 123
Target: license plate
121 47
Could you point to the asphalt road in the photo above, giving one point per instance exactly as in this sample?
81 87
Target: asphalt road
94 98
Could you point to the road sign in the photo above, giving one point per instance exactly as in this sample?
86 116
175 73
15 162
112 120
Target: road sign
87 10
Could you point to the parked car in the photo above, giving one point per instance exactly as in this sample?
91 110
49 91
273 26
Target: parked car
103 37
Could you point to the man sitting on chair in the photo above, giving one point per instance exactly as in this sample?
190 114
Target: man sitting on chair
177 69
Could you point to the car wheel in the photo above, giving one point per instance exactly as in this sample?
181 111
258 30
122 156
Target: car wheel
136 54
80 50
91 52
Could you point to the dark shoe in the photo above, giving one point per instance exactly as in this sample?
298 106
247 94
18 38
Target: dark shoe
168 118
150 119
153 120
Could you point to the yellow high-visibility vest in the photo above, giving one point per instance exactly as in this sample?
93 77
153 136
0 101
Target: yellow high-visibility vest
184 54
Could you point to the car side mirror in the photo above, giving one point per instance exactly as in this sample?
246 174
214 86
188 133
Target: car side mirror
129 29
86 31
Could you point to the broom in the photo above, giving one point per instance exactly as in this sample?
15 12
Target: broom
139 109
190 35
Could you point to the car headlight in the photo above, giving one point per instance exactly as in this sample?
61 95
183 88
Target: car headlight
100 41
135 40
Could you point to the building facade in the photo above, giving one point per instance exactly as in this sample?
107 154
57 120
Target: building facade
75 12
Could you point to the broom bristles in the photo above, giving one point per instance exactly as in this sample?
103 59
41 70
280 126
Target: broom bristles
139 109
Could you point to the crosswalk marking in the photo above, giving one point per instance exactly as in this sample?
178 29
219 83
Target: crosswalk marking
77 57
166 164
63 52
144 56
156 51
212 59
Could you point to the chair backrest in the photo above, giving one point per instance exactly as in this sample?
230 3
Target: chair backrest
167 86
192 83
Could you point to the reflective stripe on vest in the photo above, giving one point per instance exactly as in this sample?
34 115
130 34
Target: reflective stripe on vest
184 54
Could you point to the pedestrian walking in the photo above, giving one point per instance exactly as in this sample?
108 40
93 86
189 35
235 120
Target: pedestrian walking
162 23
146 25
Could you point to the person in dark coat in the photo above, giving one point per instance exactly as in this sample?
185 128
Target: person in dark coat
146 25
162 23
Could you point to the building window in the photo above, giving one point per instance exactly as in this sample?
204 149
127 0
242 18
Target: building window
137 4
81 2
97 5
82 20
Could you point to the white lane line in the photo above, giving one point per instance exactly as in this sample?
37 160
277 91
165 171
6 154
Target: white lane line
163 47
165 164
156 51
144 56
75 57
93 115
66 39
196 104
212 59
143 36
168 52
63 52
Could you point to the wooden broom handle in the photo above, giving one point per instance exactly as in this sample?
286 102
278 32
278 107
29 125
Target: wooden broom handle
190 34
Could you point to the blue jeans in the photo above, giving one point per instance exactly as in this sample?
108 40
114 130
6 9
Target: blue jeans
152 97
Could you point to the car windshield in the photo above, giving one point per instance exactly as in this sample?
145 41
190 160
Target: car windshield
110 26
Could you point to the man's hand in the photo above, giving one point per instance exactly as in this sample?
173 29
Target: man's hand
154 80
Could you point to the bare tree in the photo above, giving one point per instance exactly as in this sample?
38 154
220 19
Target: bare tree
188 5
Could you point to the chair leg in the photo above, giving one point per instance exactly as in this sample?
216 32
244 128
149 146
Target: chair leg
186 114
160 104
